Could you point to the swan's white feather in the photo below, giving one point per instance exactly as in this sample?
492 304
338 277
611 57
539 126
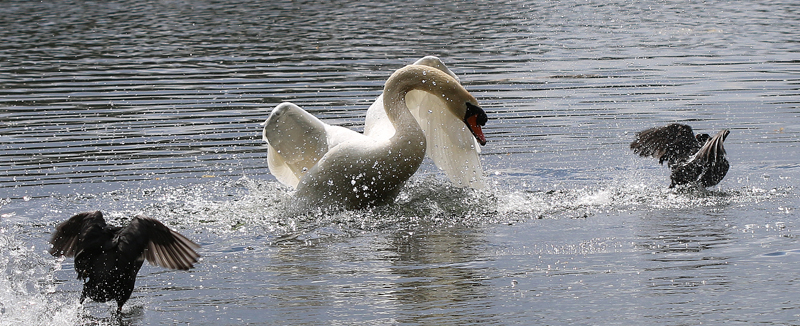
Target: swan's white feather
303 140
451 145
280 168
376 123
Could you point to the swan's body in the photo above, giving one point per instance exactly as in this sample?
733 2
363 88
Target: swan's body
335 166
694 159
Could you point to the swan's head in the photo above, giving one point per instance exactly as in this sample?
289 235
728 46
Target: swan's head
475 118
440 84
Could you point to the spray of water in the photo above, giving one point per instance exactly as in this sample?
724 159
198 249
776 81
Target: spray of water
28 291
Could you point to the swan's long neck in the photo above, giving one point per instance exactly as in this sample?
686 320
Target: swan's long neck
415 77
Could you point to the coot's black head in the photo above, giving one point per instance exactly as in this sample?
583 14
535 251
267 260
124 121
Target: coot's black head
702 138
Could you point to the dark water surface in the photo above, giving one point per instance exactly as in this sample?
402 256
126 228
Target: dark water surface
153 107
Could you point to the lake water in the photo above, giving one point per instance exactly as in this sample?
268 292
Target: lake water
153 107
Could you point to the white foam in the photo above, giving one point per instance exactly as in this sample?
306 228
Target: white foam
28 293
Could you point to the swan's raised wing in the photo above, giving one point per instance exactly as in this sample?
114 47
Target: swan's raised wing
296 141
432 61
450 144
377 124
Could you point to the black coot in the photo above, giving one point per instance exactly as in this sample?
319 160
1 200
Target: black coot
107 258
694 159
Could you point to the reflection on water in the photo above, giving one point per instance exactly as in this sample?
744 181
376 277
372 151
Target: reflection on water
354 279
688 252
454 275
154 108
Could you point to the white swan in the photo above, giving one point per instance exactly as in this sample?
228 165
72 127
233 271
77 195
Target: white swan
331 165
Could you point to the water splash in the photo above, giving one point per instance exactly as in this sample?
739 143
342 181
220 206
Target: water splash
238 213
28 292
264 208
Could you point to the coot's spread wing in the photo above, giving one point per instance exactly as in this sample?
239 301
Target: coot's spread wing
65 239
673 143
713 150
164 247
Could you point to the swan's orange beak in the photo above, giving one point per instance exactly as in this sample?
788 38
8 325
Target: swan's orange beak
472 123
475 118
